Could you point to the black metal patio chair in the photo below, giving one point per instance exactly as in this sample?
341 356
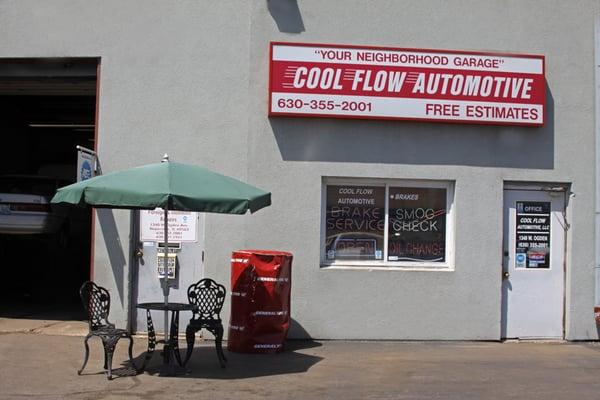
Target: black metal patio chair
209 297
96 301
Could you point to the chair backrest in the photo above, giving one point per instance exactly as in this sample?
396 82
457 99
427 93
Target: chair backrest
209 297
96 301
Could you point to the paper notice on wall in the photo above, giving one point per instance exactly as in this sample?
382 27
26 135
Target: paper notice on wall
182 226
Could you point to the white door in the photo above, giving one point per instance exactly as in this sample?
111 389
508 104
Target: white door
533 268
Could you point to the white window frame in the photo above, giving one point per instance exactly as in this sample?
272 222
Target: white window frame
447 265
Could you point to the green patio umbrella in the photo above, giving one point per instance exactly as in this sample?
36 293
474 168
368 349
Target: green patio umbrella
170 186
167 185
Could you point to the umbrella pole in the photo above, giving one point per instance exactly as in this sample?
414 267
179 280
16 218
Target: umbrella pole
166 269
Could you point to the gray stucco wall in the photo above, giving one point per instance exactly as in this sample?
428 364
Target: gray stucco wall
297 153
190 78
174 78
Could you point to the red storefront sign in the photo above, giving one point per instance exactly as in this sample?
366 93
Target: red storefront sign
408 84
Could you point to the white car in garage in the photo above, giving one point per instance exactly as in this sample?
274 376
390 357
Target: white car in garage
25 207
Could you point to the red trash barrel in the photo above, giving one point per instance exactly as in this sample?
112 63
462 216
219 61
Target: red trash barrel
261 282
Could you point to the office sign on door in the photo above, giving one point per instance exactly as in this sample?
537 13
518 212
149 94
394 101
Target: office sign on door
388 83
532 235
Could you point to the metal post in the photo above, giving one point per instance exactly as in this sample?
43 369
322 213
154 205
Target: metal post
166 268
597 216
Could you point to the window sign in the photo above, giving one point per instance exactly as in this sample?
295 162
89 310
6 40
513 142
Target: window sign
533 235
417 224
393 223
355 222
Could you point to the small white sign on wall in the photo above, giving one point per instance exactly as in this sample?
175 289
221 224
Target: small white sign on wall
86 162
183 226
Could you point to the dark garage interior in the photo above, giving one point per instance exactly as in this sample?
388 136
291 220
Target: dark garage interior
47 108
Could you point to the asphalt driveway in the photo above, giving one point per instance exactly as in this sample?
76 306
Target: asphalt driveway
43 366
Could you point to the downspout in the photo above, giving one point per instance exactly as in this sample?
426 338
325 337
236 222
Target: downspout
597 168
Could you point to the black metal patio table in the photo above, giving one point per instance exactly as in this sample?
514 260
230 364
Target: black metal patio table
171 345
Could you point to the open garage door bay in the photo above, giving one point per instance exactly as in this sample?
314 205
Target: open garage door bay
47 108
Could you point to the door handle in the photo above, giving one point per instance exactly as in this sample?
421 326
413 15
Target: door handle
505 275
139 253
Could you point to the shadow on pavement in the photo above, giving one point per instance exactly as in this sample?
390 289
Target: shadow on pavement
204 362
300 344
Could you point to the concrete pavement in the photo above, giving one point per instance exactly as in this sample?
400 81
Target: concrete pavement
43 366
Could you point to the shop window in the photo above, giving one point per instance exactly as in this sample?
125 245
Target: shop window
387 223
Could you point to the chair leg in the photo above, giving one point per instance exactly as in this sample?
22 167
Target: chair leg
151 342
109 349
87 354
190 336
219 346
109 357
131 353
105 359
